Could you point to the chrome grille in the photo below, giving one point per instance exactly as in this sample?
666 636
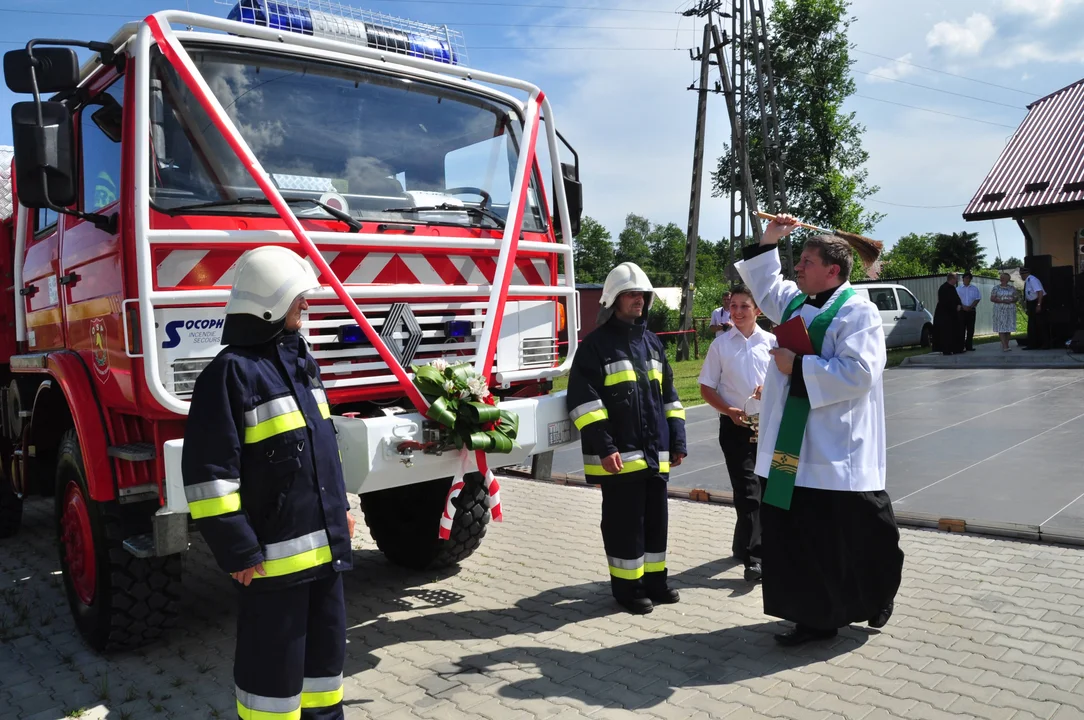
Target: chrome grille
358 365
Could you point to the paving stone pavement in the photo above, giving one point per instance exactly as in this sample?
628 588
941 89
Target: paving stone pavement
983 628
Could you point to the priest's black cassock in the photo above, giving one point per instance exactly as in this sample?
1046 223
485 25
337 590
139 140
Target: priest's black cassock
948 326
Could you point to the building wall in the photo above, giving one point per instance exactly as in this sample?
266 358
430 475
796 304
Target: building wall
1056 235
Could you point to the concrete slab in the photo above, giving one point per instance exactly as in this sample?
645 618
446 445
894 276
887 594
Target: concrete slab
994 446
990 355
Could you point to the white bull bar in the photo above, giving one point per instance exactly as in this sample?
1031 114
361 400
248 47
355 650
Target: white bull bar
371 459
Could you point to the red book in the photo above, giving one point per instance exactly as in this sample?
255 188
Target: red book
794 336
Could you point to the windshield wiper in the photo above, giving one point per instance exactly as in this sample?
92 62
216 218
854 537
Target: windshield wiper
469 209
344 217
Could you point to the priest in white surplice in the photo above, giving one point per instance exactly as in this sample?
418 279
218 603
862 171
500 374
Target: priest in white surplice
830 545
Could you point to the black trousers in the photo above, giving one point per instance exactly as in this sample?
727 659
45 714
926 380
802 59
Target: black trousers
741 458
634 520
968 321
1038 329
291 644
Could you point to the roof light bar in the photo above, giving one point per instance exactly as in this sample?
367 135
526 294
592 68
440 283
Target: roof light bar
327 19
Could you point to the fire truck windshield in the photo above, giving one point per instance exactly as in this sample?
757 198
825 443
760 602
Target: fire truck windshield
373 145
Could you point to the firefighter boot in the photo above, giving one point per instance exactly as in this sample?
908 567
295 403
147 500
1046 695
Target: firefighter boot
631 596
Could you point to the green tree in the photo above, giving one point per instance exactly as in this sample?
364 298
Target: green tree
825 175
1012 262
959 250
667 245
913 254
632 243
593 252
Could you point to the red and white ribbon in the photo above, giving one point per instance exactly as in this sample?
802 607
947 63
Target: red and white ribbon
448 518
493 498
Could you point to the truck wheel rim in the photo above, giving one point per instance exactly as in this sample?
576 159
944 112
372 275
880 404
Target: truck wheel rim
78 543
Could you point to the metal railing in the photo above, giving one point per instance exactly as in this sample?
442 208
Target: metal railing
267 39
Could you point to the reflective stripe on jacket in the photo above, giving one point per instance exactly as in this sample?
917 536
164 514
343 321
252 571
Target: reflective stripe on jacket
261 464
621 398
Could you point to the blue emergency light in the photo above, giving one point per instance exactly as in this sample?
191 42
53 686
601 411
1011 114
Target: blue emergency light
458 328
338 22
351 335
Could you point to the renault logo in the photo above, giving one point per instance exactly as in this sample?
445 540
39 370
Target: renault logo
401 333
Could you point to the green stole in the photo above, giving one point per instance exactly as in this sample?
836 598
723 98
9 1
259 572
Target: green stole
780 486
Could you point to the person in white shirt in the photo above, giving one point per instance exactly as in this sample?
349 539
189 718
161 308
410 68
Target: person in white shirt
969 300
1034 294
829 541
720 317
733 373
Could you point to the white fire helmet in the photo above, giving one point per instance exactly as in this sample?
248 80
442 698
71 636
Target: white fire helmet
626 277
266 282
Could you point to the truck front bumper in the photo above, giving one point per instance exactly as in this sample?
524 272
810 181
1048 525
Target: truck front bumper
372 459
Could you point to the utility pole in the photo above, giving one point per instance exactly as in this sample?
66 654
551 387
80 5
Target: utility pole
692 236
749 52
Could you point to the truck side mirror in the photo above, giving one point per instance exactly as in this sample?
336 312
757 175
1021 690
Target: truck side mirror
44 155
55 68
574 196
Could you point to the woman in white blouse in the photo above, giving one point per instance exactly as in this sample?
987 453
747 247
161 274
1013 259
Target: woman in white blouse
733 372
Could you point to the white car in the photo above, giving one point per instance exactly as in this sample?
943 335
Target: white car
906 321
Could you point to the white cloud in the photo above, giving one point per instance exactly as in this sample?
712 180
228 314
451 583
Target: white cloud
966 38
894 70
1044 11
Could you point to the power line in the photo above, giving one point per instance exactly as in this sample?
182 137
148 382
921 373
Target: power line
912 107
916 65
873 199
947 92
919 207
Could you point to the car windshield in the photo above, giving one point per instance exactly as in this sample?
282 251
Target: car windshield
378 147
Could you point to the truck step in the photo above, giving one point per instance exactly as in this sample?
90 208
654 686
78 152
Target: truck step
134 452
142 546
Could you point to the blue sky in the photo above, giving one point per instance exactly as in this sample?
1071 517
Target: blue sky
617 71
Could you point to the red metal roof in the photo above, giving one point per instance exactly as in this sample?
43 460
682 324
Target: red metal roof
1042 167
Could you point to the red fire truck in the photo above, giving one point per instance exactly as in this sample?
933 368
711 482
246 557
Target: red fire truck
436 202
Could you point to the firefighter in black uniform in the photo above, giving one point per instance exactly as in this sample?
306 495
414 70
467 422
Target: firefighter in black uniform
264 484
621 397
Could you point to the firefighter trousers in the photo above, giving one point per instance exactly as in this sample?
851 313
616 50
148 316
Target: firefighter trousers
291 644
741 459
634 534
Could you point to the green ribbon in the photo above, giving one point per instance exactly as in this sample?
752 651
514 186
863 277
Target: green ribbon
465 419
788 445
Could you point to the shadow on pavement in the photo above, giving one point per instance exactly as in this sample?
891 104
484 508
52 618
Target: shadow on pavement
646 673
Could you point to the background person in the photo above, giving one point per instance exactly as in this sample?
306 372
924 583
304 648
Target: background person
1034 295
947 324
733 372
1004 298
970 296
720 316
622 399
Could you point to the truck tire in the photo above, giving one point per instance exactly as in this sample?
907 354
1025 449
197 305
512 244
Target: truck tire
118 601
927 336
11 507
404 522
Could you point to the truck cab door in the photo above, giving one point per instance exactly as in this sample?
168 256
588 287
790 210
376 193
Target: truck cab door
91 280
40 292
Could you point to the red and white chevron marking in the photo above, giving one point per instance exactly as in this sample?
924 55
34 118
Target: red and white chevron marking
215 268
